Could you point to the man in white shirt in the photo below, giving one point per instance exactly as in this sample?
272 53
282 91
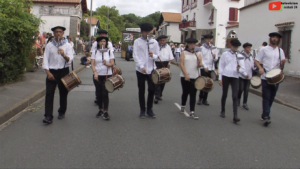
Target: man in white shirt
164 60
101 32
209 57
272 57
144 53
230 67
177 52
58 57
244 83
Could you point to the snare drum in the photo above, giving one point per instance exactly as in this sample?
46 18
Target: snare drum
117 70
71 81
160 76
114 83
275 76
213 75
205 84
255 82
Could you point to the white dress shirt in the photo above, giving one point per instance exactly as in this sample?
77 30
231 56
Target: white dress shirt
54 60
207 58
102 69
248 65
228 65
110 46
165 54
141 54
178 50
269 57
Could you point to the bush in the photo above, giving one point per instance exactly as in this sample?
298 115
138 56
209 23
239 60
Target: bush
18 28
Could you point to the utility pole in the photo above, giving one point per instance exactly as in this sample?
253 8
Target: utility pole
91 14
107 19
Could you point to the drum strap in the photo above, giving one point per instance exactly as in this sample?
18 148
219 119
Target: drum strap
237 61
161 62
198 61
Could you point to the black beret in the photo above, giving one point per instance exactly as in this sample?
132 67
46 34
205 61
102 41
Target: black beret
162 37
102 31
146 27
102 37
208 36
247 44
275 34
61 27
235 42
191 40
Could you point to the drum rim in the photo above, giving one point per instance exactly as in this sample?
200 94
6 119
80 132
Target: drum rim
277 82
274 70
199 78
65 84
111 83
77 77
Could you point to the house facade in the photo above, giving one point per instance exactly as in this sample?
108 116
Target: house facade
95 24
200 17
169 26
67 13
254 28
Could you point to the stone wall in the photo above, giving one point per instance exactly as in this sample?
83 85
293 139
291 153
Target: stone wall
74 21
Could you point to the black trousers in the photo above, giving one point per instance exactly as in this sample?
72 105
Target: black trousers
159 88
50 91
188 88
95 84
244 85
203 95
141 78
102 93
234 82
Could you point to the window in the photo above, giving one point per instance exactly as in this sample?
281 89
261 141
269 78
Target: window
286 43
194 18
211 18
233 14
187 2
182 2
187 17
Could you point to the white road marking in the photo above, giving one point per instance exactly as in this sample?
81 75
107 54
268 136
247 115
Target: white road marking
179 107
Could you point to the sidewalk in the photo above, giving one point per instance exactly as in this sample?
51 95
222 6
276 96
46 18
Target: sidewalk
288 93
17 96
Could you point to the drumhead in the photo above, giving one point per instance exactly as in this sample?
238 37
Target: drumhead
273 73
255 81
155 76
213 76
109 86
200 83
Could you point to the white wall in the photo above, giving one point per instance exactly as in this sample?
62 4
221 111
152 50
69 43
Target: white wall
255 26
174 32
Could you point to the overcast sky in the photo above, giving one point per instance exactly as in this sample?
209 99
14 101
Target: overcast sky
139 7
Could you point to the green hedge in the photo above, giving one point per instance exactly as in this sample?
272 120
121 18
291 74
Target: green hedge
18 27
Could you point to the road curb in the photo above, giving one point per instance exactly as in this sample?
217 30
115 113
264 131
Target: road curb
259 93
21 105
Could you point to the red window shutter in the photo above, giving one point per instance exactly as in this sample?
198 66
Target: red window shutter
233 14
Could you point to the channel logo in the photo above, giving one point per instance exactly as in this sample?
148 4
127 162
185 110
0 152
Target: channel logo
275 6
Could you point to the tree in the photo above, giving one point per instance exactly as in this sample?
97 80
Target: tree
130 18
84 30
113 15
113 32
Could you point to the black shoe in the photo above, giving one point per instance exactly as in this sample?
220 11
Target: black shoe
199 102
99 114
61 116
106 116
222 114
155 101
182 109
150 113
47 120
245 106
142 114
96 101
159 98
205 103
267 122
235 118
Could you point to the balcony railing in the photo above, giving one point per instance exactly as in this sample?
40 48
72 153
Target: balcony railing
207 1
185 8
187 24
46 10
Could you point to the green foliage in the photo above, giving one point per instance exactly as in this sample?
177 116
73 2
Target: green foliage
18 27
133 21
84 30
125 46
113 15
113 31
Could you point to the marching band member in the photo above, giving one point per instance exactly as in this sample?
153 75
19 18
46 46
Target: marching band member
177 52
229 68
101 32
272 57
189 64
102 68
244 83
209 57
57 59
144 53
164 60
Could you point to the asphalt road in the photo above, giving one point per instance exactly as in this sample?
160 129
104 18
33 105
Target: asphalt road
172 140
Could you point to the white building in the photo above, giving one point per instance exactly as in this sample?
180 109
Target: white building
257 21
95 24
209 17
67 13
169 26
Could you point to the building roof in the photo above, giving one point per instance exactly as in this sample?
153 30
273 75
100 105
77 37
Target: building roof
94 20
285 24
253 4
233 25
170 17
58 1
